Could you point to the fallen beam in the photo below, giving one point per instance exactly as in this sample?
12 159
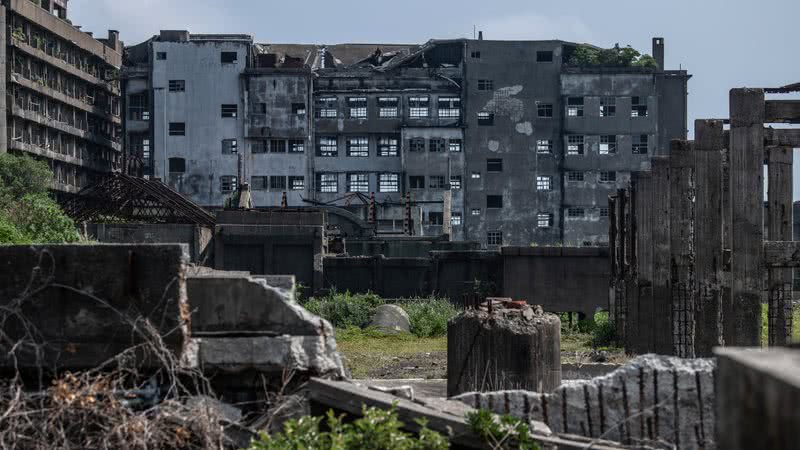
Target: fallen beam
782 111
786 137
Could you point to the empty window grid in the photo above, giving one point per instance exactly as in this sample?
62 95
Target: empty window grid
260 146
416 182
277 183
277 146
544 183
388 146
437 182
485 118
494 165
227 183
357 182
544 110
575 107
139 107
388 107
418 107
388 182
177 85
416 145
161 56
449 107
299 109
494 238
455 182
575 213
603 212
177 165
327 182
436 145
230 147
229 111
455 219
259 183
640 144
327 146
228 57
455 145
358 147
485 85
574 145
544 146
608 106
608 144
357 107
638 107
297 146
494 201
177 129
327 107
435 218
475 211
297 183
544 220
475 55
544 56
608 177
575 176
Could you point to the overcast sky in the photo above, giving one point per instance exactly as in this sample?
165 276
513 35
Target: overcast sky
722 43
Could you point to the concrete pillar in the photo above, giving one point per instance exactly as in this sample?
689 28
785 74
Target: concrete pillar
779 228
659 322
747 212
658 51
682 234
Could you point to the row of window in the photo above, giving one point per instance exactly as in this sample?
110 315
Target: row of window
277 182
434 182
541 55
417 107
576 145
224 57
358 146
357 182
608 107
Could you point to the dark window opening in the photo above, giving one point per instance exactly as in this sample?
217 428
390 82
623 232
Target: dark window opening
277 183
494 165
640 144
485 85
575 212
259 183
437 182
177 85
436 145
638 107
435 218
544 110
177 165
494 201
229 147
277 146
575 107
228 57
544 56
177 129
227 183
161 56
416 182
575 176
229 110
494 238
608 177
485 118
297 109
476 55
416 145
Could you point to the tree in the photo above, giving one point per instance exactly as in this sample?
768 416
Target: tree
22 175
39 219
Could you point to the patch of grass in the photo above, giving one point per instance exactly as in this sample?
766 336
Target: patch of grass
765 324
369 350
429 316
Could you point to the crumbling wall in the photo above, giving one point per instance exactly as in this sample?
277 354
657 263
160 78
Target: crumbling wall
197 237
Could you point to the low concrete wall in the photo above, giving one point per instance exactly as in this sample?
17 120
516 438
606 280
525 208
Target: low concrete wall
196 237
387 277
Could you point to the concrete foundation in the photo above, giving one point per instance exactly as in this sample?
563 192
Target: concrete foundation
196 237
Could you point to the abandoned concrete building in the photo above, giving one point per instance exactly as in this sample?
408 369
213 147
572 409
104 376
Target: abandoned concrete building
63 90
484 153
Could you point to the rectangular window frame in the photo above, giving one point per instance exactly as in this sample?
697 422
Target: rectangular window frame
327 147
297 182
575 144
574 106
419 107
544 146
357 146
388 146
230 147
544 183
388 107
357 107
229 110
358 182
608 144
177 129
640 144
327 107
449 107
327 183
494 165
544 110
608 106
544 220
494 238
177 85
494 201
388 182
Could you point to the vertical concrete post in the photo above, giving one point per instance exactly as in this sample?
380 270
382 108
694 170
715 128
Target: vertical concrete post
658 323
747 212
709 141
682 234
779 228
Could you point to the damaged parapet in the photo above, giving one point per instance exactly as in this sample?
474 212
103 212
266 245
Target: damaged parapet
503 344
651 399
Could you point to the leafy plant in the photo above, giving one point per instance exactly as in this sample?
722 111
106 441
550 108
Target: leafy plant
40 219
345 310
504 432
429 316
22 175
588 56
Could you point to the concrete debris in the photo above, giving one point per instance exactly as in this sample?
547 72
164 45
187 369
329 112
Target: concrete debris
405 391
390 319
214 408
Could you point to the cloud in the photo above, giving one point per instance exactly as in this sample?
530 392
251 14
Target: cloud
537 27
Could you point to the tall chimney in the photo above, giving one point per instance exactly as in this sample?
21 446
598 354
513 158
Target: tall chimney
658 51
480 35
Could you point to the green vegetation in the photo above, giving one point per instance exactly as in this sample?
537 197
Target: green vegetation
27 213
597 333
505 432
765 324
368 351
586 55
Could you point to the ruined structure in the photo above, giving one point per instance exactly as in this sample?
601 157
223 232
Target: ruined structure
447 139
63 90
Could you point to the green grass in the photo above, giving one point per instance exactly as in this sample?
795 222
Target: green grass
369 350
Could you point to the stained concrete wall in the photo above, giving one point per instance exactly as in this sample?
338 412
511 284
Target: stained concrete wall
197 238
412 247
387 277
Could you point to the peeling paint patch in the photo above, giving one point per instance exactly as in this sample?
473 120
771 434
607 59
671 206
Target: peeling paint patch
525 128
494 146
503 103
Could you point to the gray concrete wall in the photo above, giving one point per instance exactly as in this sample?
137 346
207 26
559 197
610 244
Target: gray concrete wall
387 277
196 238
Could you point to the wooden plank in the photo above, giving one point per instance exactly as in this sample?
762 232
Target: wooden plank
779 228
782 111
747 210
682 283
781 254
782 137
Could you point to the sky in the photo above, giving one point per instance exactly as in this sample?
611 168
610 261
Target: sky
722 43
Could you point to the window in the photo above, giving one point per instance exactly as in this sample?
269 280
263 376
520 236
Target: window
574 145
259 146
638 107
277 183
640 144
416 182
298 109
388 182
326 107
544 183
357 182
277 146
435 218
357 146
327 146
418 106
475 212
544 110
228 57
177 129
544 146
455 219
608 177
357 107
575 107
416 145
544 56
449 107
485 85
494 165
437 182
388 107
161 56
575 212
139 107
485 118
387 146
494 238
476 55
476 175
603 212
297 183
575 176
327 182
259 183
608 145
177 165
455 145
608 106
436 145
227 183
544 220
455 182
494 201
297 146
177 85
230 110
229 147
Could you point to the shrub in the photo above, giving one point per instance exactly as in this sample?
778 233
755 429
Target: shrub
9 234
345 310
429 316
39 219
505 432
603 332
21 176
616 56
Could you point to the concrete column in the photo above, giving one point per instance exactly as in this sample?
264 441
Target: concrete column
779 228
682 234
658 324
747 212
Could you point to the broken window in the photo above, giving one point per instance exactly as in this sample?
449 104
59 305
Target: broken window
608 106
177 129
229 110
357 107
476 211
574 145
494 165
455 182
327 182
228 57
603 212
139 107
544 56
435 218
161 56
575 212
640 144
575 176
494 201
638 107
455 145
416 182
544 146
277 182
485 118
544 183
575 107
177 85
436 145
227 183
297 146
327 146
388 182
544 110
437 182
608 144
544 220
177 165
449 107
277 146
357 182
485 85
259 146
388 107
298 109
297 183
455 219
259 183
326 107
387 146
418 107
476 175
229 147
358 146
608 177
494 238
416 145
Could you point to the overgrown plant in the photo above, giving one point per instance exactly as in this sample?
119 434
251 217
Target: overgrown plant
503 432
589 56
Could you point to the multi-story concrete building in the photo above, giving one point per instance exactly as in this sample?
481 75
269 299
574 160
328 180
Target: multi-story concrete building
486 153
63 92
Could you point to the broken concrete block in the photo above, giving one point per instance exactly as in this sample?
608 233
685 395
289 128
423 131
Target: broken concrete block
390 319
